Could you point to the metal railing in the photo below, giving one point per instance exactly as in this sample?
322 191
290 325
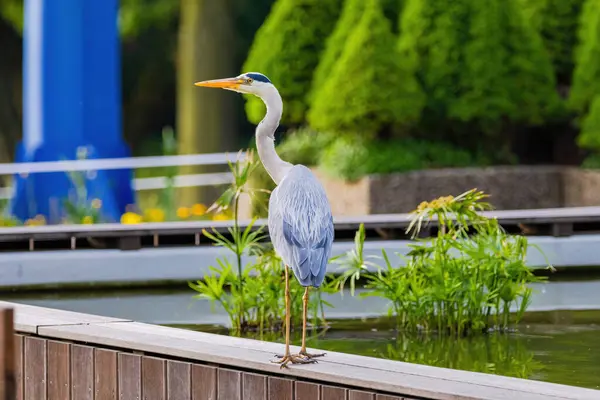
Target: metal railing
139 184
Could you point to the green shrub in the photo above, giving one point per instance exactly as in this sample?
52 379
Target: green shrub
589 136
557 22
346 158
368 89
482 66
304 146
287 48
351 158
586 77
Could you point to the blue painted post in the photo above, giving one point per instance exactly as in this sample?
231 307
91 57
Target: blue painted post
72 106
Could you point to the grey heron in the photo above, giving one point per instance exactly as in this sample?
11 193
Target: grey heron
300 220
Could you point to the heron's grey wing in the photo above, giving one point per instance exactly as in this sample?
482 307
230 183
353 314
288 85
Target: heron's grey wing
301 227
309 253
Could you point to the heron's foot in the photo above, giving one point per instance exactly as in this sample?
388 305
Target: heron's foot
284 360
309 356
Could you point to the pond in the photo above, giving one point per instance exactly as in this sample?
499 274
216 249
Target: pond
557 341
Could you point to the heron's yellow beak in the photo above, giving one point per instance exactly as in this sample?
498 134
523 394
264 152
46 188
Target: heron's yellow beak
229 83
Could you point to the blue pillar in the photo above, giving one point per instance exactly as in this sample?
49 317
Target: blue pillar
72 105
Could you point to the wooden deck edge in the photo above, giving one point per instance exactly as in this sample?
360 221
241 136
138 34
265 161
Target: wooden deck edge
352 371
28 319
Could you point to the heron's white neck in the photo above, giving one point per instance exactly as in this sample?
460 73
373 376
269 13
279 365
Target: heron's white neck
265 136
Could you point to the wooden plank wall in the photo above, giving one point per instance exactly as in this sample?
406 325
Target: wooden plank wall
55 370
7 355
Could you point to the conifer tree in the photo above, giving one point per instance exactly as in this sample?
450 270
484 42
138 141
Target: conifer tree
586 76
589 137
481 65
335 43
287 48
350 16
557 22
368 88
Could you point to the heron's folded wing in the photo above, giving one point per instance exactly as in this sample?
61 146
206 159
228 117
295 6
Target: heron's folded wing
308 244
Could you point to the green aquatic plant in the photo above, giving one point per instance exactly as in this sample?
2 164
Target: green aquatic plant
260 306
462 281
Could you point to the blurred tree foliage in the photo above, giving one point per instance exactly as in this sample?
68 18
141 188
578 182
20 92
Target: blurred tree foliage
12 12
10 91
585 92
586 76
483 68
557 22
351 159
139 16
352 11
487 70
149 48
11 26
287 48
368 89
149 33
589 136
335 43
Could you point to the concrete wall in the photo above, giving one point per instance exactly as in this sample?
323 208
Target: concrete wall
511 188
520 187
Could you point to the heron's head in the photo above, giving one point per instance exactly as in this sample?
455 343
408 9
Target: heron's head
250 82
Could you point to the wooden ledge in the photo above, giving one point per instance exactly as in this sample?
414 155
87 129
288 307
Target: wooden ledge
339 368
28 319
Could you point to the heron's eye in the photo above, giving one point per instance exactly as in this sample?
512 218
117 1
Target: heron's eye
249 80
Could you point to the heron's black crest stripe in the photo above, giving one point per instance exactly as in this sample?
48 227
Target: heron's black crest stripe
258 77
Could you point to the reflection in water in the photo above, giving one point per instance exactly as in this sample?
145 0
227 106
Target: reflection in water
495 353
567 354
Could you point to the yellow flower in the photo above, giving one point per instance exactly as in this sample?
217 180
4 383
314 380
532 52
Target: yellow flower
220 217
422 206
96 203
38 220
199 209
183 212
131 218
154 215
87 220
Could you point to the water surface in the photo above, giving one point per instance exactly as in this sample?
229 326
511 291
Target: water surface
559 353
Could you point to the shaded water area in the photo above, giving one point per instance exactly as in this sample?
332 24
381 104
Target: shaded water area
559 340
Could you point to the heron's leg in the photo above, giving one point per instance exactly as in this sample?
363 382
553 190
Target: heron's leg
287 357
304 318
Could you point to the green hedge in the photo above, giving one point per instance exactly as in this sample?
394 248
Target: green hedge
287 48
586 76
480 63
557 22
368 88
